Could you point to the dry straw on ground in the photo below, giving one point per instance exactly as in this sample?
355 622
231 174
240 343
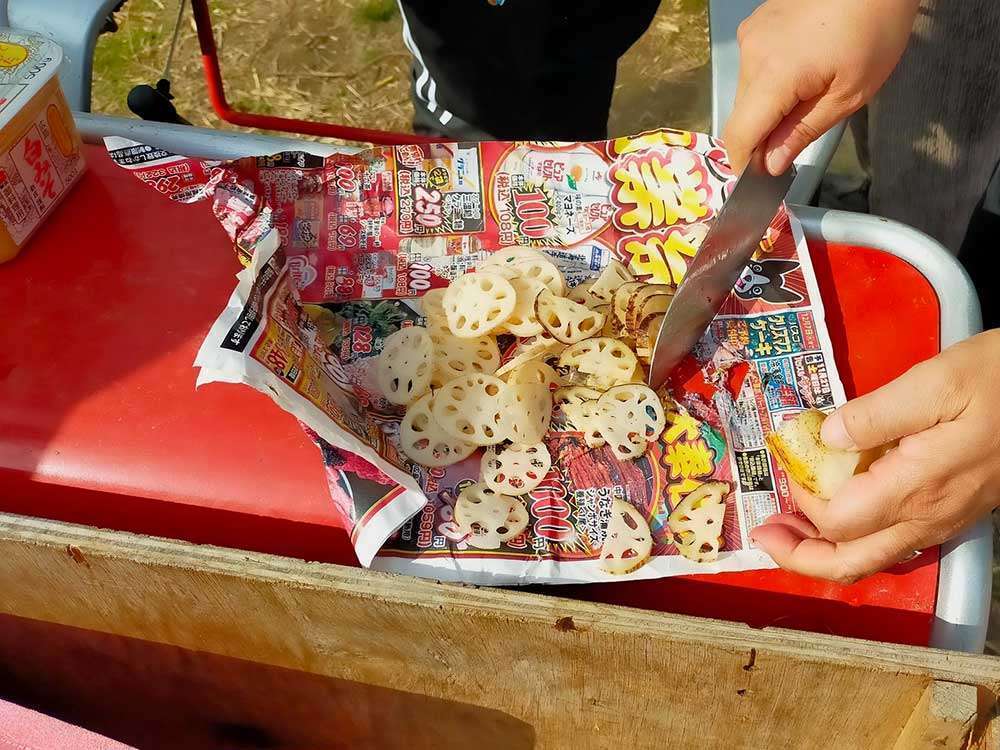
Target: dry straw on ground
344 61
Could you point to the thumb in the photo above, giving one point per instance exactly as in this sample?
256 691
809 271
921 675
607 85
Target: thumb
912 403
806 122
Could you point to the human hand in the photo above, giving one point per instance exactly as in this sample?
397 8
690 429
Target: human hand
807 64
943 476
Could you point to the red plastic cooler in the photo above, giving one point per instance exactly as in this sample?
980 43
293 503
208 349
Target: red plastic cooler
100 422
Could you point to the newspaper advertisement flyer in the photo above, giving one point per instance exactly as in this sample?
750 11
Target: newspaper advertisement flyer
338 251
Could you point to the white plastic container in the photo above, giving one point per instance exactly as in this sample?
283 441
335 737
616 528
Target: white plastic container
40 149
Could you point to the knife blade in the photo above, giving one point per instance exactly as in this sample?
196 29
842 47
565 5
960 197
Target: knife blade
718 264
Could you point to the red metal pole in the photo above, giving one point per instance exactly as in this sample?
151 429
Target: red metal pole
217 97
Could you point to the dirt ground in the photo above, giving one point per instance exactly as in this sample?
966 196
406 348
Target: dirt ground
344 61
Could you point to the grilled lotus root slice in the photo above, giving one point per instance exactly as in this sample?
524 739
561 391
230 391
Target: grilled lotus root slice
522 321
516 469
621 297
526 263
455 357
646 302
566 320
432 306
423 440
646 341
627 418
404 368
696 522
477 303
488 517
612 277
471 408
628 542
600 363
644 307
612 328
527 411
536 371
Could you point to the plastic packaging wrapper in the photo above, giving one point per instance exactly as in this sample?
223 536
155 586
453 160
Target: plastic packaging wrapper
338 250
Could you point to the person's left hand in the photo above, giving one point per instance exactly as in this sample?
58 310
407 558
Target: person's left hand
943 476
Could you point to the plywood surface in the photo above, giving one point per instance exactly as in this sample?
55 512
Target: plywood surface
574 674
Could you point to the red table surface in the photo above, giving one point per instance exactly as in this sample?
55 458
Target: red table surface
100 422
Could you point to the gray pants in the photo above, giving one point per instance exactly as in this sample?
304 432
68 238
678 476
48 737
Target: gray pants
931 137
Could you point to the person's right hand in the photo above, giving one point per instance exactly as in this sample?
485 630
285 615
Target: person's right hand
807 64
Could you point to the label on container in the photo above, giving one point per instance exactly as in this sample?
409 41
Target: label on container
35 171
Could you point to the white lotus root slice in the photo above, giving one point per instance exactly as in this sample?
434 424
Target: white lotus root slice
612 277
581 416
516 469
627 417
527 411
432 306
539 347
404 369
477 303
696 522
599 363
801 452
535 371
423 440
628 542
471 408
566 320
575 394
581 293
488 517
522 320
455 357
526 263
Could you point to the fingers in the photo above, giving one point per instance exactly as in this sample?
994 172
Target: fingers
908 485
803 125
868 502
796 523
844 562
756 112
912 403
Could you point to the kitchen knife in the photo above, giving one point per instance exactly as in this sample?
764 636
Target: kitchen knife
718 264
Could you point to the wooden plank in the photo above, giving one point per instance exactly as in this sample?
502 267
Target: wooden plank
577 674
158 697
943 718
987 734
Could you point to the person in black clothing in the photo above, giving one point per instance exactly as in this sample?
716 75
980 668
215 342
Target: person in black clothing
522 69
